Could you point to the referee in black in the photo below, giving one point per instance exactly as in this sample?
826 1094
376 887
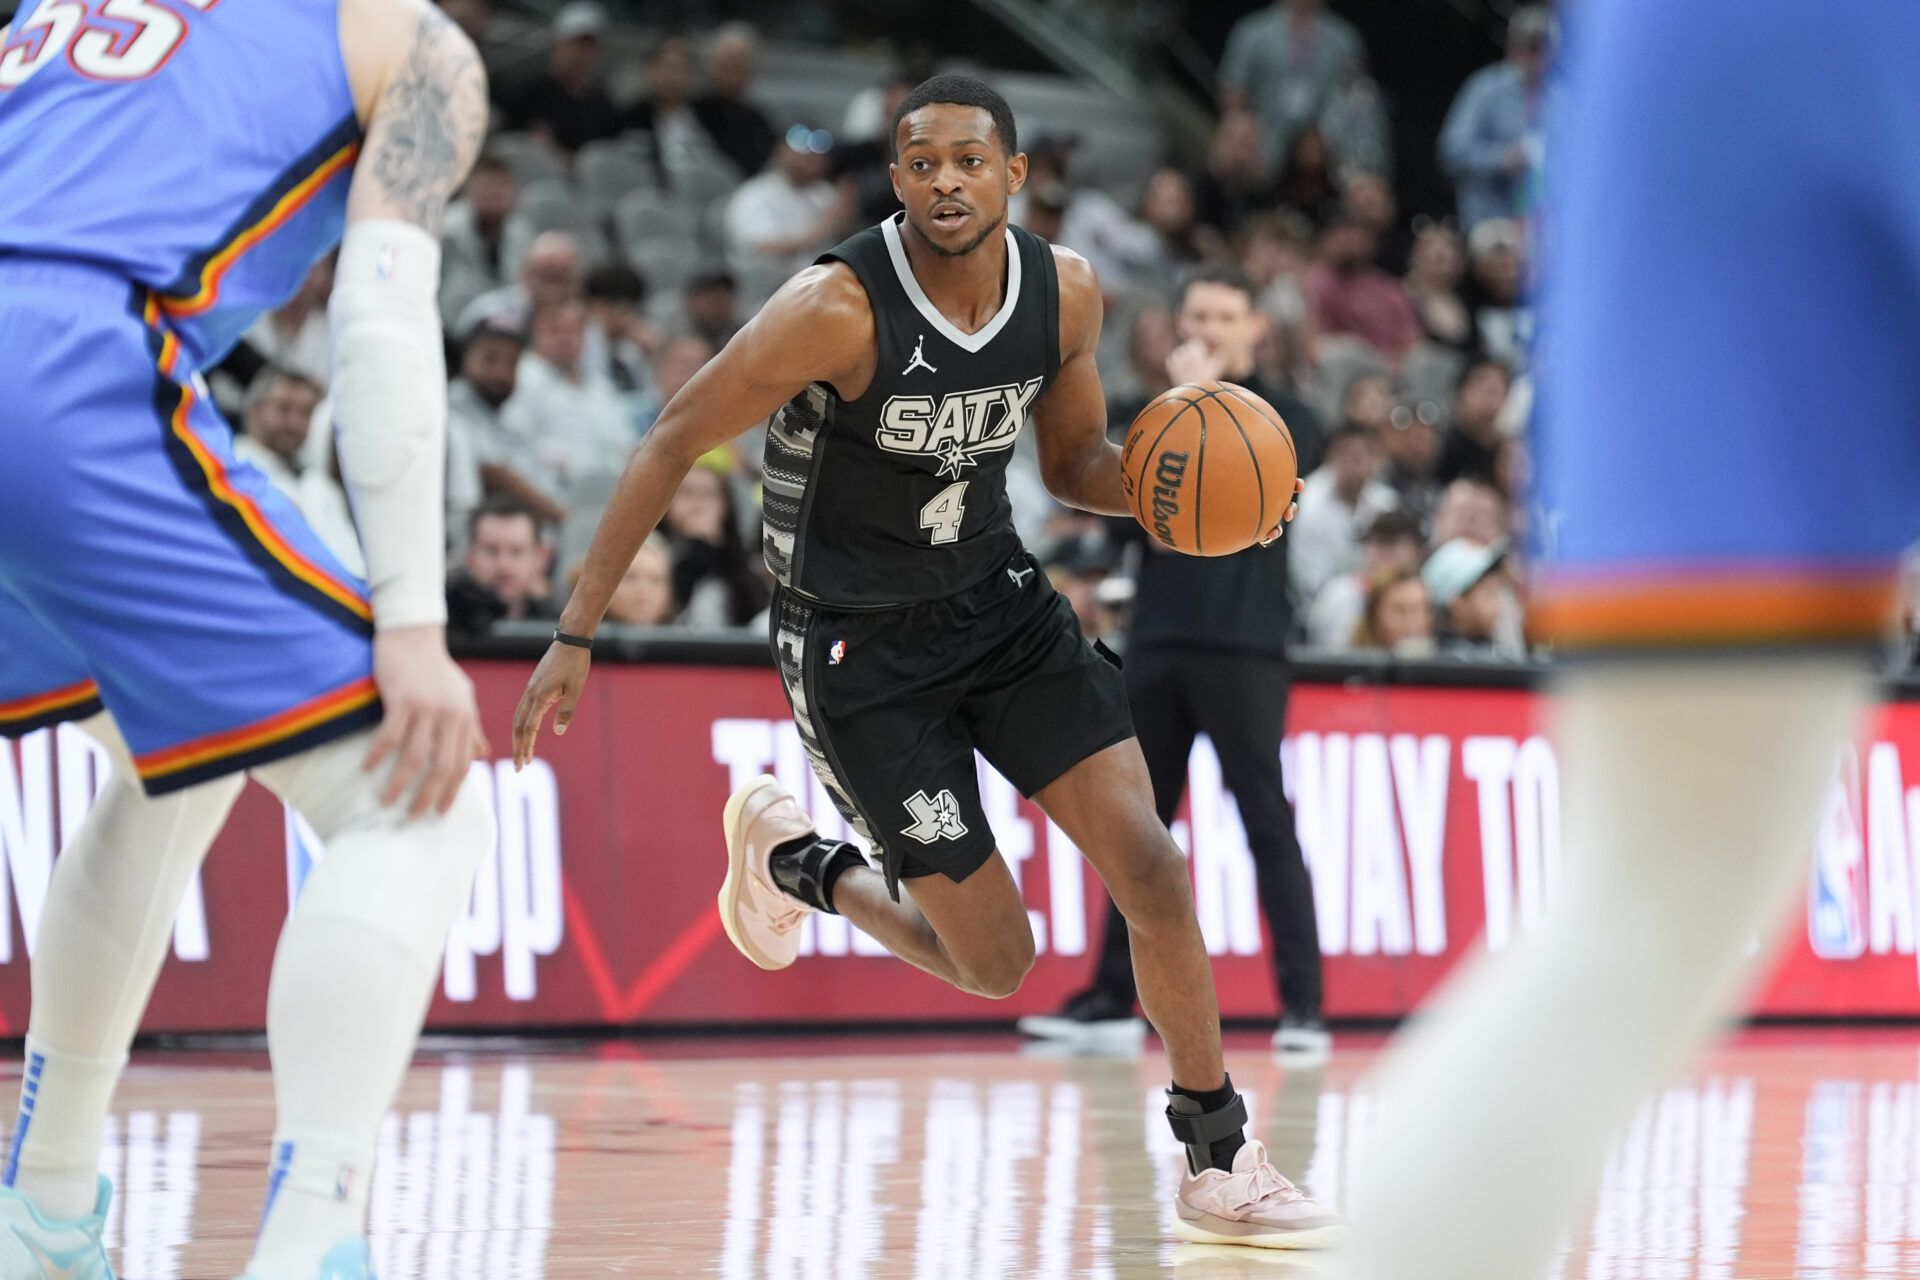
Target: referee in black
1207 654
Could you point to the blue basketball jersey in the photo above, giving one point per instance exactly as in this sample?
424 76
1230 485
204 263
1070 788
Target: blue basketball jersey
199 149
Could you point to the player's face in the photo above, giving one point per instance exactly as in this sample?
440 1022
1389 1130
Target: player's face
954 175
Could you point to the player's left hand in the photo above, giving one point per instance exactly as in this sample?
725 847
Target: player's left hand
1293 509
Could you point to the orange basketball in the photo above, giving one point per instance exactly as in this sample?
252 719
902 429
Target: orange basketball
1209 468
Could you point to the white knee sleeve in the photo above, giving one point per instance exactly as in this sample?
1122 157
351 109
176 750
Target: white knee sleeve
405 878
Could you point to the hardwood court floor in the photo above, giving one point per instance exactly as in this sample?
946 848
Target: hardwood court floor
1787 1154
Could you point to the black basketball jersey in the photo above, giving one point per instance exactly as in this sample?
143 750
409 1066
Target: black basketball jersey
900 496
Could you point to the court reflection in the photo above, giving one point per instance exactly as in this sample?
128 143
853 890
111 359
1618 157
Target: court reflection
1787 1155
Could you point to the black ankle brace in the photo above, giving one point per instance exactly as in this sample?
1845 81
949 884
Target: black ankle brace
806 869
1211 1137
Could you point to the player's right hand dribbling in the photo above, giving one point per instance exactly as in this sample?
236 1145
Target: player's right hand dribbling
561 675
430 728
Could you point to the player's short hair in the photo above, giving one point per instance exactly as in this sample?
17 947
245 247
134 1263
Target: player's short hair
958 91
272 374
502 506
1219 273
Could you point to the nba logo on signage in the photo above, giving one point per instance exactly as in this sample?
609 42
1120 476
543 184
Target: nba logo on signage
1836 899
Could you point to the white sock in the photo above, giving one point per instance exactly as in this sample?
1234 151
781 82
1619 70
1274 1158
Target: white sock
55 1156
1690 798
352 979
104 932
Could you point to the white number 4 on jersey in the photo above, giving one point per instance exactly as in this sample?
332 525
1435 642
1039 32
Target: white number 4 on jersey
943 514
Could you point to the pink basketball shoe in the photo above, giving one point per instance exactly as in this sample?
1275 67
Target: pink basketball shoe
760 919
1252 1205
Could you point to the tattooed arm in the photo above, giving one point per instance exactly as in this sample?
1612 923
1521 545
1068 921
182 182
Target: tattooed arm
421 92
421 96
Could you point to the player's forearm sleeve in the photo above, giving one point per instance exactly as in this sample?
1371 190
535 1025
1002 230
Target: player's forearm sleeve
390 414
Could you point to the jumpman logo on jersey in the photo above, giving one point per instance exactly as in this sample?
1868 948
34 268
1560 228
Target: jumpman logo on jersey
1019 576
919 360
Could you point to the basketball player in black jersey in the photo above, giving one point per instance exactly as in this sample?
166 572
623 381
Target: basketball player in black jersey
912 628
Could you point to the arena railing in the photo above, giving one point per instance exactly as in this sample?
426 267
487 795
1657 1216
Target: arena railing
747 647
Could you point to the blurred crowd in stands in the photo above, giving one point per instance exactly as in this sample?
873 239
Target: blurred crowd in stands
605 249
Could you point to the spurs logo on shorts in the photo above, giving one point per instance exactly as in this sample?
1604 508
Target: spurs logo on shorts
934 817
959 427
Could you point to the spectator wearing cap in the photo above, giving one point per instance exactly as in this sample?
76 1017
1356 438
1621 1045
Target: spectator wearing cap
1392 544
710 306
503 574
482 239
1477 600
1208 654
1283 62
566 103
1398 615
1473 438
480 439
1342 499
778 221
572 422
1494 292
738 128
1348 294
618 335
550 272
1490 143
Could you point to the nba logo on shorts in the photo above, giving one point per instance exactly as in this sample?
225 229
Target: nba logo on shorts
1836 906
836 653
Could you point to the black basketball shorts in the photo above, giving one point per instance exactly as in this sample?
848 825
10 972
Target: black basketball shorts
892 703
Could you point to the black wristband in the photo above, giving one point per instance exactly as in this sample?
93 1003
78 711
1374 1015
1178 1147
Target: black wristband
578 642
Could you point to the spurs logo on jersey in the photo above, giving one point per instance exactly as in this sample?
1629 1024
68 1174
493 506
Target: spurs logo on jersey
959 427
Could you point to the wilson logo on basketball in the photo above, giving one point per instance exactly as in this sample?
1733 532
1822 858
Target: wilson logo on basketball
1168 479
